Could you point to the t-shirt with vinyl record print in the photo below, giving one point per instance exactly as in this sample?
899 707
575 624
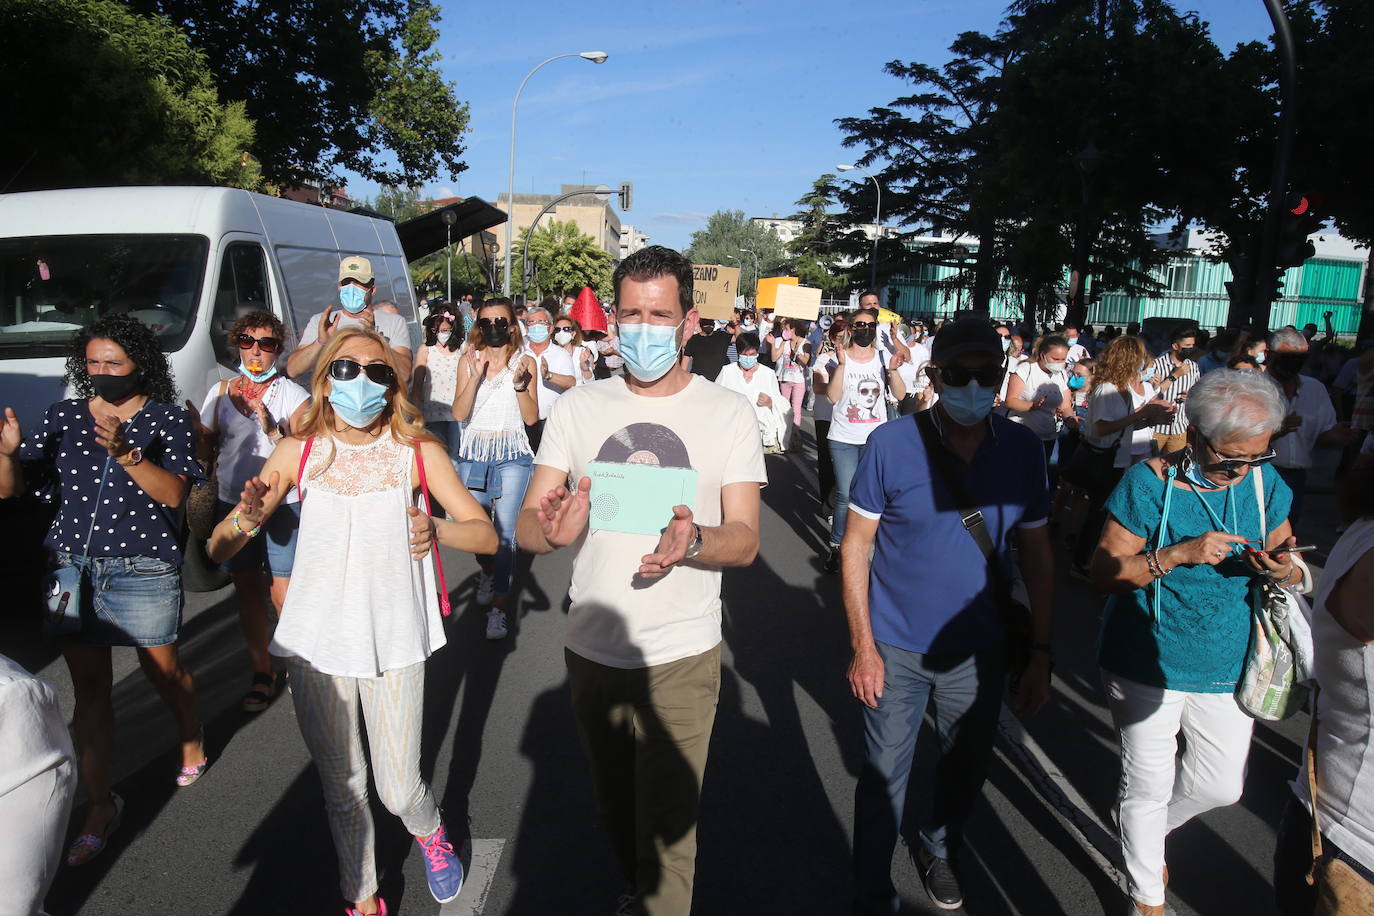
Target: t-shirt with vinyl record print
644 455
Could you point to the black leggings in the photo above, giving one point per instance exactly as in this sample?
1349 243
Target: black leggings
825 471
1091 532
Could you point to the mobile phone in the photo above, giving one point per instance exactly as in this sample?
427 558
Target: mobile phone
1300 548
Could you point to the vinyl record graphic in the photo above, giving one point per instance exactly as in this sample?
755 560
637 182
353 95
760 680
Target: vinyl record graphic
645 443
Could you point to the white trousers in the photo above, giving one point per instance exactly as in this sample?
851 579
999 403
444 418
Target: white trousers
1158 792
331 712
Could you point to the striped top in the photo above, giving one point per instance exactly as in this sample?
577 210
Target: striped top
1163 366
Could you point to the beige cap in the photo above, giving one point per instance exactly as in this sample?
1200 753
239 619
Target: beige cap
356 268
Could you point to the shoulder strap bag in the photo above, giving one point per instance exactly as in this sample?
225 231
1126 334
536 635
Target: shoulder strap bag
445 608
1341 890
1015 616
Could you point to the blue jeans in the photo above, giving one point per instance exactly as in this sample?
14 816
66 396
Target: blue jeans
449 432
967 691
499 487
127 601
845 459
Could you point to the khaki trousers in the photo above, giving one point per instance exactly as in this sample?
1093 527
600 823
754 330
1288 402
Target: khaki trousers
1168 443
646 732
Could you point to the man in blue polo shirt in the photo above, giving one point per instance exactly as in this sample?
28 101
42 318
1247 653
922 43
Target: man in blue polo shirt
918 637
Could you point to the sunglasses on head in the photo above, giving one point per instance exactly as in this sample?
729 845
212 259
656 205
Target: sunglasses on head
265 344
988 376
863 325
490 322
1235 464
345 369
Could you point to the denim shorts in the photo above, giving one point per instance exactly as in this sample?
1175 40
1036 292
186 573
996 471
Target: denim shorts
273 548
127 601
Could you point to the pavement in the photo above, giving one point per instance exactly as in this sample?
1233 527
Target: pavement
502 755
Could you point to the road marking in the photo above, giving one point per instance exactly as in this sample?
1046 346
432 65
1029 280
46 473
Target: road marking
482 857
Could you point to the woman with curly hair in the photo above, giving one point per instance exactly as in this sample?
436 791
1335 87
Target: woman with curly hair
241 420
121 456
435 377
361 616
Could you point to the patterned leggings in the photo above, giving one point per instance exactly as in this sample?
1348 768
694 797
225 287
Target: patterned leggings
327 708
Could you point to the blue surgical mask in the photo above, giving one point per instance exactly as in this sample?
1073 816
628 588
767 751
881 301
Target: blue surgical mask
352 298
358 400
968 404
649 350
1193 474
1147 373
1073 341
538 333
1076 382
748 362
1259 358
262 376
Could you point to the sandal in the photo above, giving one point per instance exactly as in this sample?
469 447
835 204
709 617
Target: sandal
88 845
188 775
261 693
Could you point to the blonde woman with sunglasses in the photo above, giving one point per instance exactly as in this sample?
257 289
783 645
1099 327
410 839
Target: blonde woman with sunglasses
361 615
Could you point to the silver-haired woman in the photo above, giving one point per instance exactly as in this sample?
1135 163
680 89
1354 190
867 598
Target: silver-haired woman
1185 537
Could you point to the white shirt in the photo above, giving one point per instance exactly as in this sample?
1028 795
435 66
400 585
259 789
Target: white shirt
1105 403
1076 352
862 405
243 446
559 362
391 326
616 619
1037 383
1313 404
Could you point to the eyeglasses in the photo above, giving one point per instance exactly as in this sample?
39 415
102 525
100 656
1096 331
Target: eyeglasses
265 344
989 376
1235 464
346 369
863 325
492 322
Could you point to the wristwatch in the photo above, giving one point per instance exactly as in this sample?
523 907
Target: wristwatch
694 550
130 458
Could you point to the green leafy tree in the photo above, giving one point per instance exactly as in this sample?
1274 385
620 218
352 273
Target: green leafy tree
99 95
726 233
563 257
333 85
815 259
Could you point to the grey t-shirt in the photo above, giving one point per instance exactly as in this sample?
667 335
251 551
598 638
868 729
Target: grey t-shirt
392 327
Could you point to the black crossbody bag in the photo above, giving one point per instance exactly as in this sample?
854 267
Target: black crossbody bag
1015 615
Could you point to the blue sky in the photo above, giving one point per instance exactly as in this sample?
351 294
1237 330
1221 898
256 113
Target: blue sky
704 106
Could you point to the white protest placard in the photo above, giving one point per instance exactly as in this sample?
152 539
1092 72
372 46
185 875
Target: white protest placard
714 289
797 302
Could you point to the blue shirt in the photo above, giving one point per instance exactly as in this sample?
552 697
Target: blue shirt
127 522
929 589
1199 642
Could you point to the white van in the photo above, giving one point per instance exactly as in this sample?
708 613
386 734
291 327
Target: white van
186 261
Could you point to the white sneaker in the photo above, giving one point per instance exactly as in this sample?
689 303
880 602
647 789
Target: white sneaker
485 584
496 624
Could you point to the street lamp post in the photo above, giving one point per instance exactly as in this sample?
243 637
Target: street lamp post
602 192
449 218
596 57
877 223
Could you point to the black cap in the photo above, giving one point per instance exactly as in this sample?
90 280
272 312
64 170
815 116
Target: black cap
967 335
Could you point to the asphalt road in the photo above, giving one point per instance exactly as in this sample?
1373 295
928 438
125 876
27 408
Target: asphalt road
502 755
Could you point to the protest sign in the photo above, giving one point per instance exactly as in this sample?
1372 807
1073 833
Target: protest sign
768 288
797 302
714 289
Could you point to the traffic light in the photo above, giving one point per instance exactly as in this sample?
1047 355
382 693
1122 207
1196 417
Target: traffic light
1297 221
1239 287
1277 291
627 193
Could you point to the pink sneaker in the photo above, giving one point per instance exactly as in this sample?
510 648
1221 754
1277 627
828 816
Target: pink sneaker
381 909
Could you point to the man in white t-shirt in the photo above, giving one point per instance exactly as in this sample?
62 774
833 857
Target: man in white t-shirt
556 371
1077 350
1311 418
644 628
860 376
357 283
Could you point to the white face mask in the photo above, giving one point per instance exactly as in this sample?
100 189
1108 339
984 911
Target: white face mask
442 336
563 338
1055 367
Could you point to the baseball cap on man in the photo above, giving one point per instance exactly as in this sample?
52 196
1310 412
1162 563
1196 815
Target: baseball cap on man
967 335
356 268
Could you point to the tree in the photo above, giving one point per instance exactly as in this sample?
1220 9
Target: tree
563 257
333 85
110 97
726 233
813 250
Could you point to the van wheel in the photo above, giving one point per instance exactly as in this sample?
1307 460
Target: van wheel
198 572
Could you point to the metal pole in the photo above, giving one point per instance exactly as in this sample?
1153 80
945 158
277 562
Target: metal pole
1258 307
448 264
525 261
510 175
877 228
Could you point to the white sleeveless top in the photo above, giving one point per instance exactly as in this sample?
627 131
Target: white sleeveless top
358 604
1345 670
436 402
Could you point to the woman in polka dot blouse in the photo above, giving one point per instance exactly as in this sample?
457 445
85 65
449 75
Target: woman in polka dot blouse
119 459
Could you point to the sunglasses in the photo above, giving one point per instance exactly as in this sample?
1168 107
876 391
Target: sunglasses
492 322
345 369
863 325
986 377
265 344
564 327
1235 464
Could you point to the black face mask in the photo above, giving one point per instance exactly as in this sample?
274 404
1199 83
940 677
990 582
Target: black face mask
1188 353
708 327
864 337
1286 364
115 388
496 335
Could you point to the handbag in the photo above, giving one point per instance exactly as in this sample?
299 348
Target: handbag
1341 890
203 499
64 590
1015 615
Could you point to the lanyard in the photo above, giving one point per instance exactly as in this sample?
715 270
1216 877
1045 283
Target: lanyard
1228 508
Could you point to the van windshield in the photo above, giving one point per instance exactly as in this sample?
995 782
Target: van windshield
52 286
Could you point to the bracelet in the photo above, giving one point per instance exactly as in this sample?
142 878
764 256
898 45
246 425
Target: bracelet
237 527
1156 568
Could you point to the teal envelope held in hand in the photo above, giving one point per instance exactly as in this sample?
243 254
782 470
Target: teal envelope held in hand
638 498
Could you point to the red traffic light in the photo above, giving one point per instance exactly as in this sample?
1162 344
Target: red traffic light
1300 206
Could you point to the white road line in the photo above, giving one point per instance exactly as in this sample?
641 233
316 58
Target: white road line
482 857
